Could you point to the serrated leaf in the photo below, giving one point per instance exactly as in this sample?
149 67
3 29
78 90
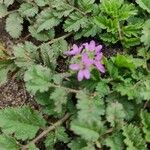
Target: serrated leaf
50 141
63 8
115 114
38 78
25 54
59 96
115 141
32 147
7 143
75 22
22 121
28 10
77 144
102 89
90 109
146 33
89 132
145 4
46 20
123 61
5 67
41 3
8 2
3 11
133 138
14 25
58 136
42 36
145 116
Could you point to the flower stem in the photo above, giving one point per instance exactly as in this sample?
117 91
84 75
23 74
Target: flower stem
45 132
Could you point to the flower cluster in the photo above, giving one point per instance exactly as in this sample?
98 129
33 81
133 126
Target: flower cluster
85 57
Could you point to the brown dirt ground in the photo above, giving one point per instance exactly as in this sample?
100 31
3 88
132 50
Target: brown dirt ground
12 93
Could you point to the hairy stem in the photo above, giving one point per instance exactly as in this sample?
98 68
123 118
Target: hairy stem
66 88
57 39
45 132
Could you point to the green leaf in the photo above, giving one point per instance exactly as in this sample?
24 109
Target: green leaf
59 96
102 89
23 122
7 143
115 114
46 20
115 141
146 33
42 36
75 21
145 116
63 8
145 4
37 78
123 61
90 109
133 138
58 136
25 54
5 67
3 11
90 132
14 25
41 3
32 147
8 2
77 144
28 10
50 141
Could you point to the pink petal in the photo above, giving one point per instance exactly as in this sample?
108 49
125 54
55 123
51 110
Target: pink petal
92 45
99 56
74 67
86 60
98 48
75 50
100 67
86 73
86 46
80 75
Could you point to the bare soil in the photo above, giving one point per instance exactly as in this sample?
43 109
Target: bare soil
12 93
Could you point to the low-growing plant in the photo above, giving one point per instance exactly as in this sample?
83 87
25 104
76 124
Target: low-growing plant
97 102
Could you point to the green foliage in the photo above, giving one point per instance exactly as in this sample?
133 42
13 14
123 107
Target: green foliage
115 141
25 54
115 114
75 22
145 4
90 109
38 78
14 25
58 136
112 19
7 143
23 122
3 11
28 10
59 97
145 116
133 138
146 33
89 132
108 111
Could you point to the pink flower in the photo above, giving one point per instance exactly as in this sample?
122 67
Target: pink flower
92 46
75 50
83 68
97 62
